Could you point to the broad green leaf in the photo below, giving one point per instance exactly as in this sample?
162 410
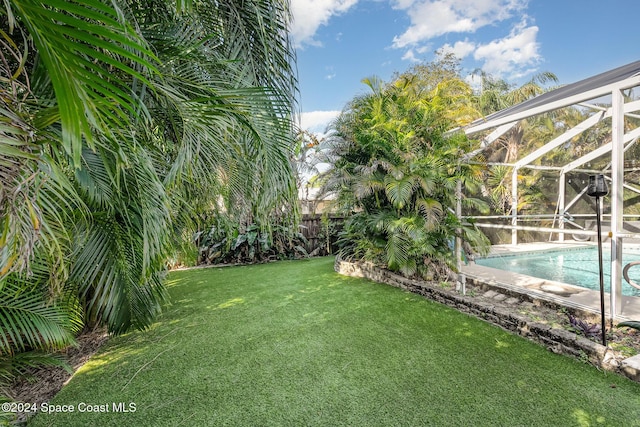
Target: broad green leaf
635 324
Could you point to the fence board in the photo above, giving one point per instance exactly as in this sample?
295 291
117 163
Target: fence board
313 229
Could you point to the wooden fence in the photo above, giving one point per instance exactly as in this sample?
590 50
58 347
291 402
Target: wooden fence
321 234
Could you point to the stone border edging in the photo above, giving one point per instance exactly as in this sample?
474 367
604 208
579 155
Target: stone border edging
559 341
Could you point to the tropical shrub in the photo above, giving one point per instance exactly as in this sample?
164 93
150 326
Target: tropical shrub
395 173
249 244
122 122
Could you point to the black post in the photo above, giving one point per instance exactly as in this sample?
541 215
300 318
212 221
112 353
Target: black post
599 227
598 188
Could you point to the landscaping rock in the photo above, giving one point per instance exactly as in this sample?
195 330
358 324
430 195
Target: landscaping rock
631 367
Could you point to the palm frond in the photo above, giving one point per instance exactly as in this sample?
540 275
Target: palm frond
12 366
84 47
123 105
119 251
431 210
399 190
29 322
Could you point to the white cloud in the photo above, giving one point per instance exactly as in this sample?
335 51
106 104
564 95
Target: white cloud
317 121
403 4
410 56
433 18
513 56
460 48
309 15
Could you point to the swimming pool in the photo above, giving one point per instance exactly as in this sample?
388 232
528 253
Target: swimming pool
577 266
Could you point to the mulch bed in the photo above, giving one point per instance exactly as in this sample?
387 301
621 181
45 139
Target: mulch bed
41 384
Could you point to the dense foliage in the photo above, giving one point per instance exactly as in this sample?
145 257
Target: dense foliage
230 243
397 171
122 123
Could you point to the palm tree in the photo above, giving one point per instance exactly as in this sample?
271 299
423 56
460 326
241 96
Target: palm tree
495 95
396 170
115 116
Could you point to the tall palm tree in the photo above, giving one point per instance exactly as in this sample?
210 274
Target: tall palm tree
495 95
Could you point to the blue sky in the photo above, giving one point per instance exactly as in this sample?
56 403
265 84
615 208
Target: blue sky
340 42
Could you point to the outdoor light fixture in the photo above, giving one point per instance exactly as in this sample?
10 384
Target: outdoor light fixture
598 188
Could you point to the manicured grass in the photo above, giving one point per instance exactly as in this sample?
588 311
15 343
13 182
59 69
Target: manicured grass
295 344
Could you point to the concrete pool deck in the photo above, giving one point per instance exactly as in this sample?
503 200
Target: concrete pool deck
547 290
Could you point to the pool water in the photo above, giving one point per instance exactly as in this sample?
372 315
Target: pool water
573 266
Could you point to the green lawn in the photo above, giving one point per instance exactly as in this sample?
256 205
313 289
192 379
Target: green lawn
295 344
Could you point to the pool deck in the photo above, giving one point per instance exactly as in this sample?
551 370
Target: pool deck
556 292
